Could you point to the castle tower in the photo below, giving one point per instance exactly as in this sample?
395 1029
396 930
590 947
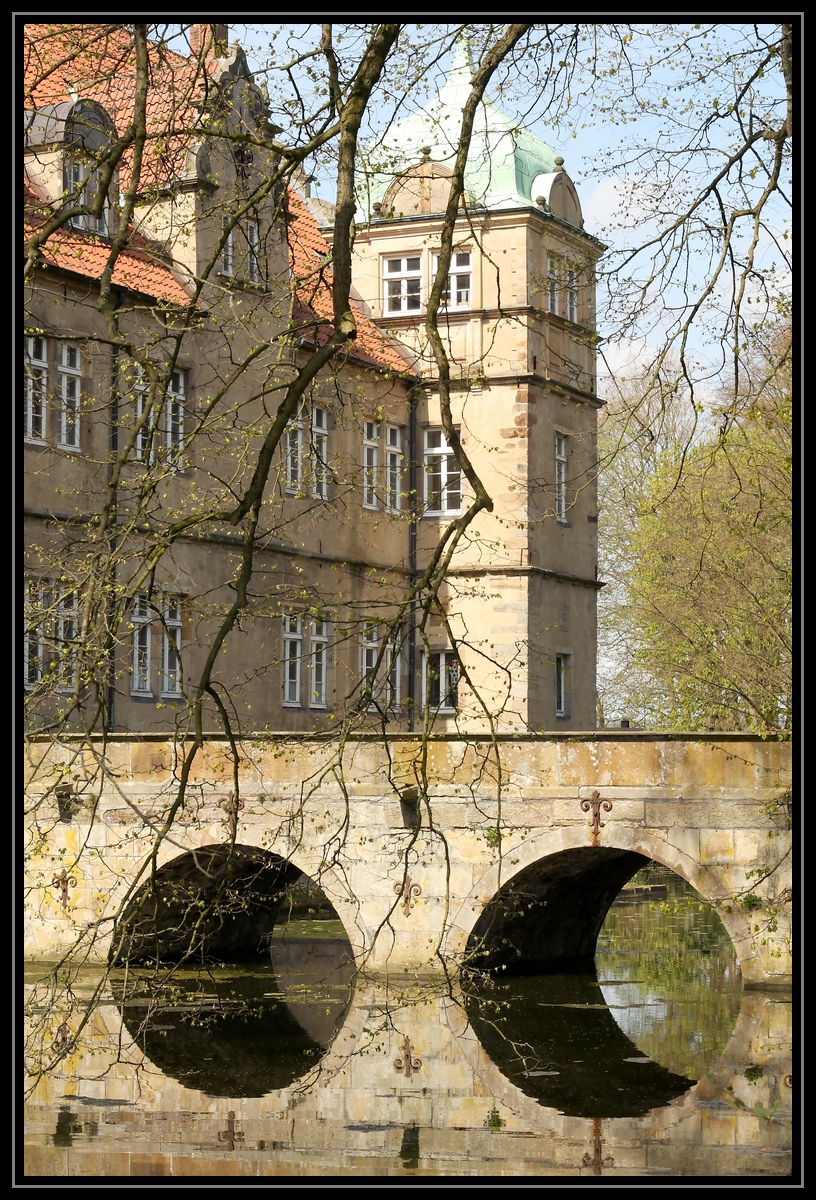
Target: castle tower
518 323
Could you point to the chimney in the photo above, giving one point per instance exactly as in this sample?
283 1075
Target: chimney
212 38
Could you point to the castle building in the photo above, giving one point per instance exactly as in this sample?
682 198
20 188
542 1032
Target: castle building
518 324
171 306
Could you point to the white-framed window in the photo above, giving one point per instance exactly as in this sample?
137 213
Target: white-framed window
318 662
402 284
292 658
174 412
143 447
443 478
36 389
171 682
320 453
66 630
141 616
571 295
393 673
457 292
70 396
293 453
253 252
560 478
170 435
554 284
369 651
51 631
82 183
440 680
228 248
371 451
393 468
35 627
561 685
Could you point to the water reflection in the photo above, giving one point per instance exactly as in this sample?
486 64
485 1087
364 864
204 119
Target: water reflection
228 1090
241 1032
668 972
556 1039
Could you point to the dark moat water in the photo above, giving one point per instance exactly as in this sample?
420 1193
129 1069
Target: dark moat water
653 1066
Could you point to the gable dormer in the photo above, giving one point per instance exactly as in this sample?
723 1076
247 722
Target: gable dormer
67 148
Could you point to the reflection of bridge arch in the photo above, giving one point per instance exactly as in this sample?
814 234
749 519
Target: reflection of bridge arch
257 877
572 885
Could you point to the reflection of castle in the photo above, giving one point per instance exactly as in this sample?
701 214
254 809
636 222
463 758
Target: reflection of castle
143 390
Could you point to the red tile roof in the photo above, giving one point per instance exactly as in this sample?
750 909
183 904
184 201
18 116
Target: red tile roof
309 253
137 267
98 61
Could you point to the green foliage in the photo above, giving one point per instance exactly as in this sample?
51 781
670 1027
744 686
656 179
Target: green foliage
706 565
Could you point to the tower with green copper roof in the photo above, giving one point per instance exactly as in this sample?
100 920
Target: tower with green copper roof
517 625
508 166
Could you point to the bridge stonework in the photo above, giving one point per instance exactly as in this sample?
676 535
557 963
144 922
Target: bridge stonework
461 816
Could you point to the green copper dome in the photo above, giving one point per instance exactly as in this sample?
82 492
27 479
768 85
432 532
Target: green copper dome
506 163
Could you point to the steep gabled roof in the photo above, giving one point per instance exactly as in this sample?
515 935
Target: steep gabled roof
136 268
98 62
310 258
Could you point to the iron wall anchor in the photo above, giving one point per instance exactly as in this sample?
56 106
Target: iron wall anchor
408 890
63 881
405 1064
596 804
230 1135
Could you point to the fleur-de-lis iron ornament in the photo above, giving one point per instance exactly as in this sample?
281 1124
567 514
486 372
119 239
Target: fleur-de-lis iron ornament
406 1064
63 881
596 1160
596 804
408 890
233 807
230 1135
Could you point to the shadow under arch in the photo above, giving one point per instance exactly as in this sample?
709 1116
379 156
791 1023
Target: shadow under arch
212 902
256 1025
543 911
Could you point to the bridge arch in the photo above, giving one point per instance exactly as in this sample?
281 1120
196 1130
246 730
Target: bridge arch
247 882
574 883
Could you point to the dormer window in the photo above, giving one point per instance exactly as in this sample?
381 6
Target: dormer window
82 186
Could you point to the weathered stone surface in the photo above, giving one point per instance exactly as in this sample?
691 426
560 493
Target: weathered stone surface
690 802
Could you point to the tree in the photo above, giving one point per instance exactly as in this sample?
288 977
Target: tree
711 571
244 291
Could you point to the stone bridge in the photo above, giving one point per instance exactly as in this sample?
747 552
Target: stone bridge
429 850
